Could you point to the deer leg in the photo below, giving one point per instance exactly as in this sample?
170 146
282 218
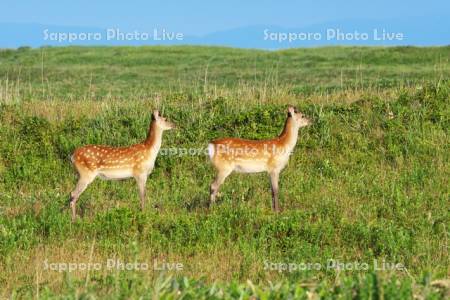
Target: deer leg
274 176
141 181
82 184
220 178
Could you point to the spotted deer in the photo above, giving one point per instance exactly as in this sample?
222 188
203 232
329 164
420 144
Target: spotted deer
253 156
107 162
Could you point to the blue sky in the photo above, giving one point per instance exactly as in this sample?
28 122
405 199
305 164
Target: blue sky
199 17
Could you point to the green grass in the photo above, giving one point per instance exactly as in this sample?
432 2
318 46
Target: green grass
368 287
367 181
139 72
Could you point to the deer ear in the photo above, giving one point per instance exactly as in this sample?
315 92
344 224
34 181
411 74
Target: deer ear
291 110
155 114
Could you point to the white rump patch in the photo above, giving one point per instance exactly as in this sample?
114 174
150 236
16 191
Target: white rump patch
211 150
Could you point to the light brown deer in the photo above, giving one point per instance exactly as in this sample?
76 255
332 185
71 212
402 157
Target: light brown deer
253 156
135 161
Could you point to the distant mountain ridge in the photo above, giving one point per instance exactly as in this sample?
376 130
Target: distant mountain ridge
425 31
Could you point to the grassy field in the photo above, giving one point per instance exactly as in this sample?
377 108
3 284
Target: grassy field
368 181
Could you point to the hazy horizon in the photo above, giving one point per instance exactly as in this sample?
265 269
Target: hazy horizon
234 23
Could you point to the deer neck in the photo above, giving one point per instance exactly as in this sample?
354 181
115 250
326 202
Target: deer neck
289 135
154 137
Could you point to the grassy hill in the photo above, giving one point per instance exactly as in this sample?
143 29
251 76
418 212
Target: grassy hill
367 181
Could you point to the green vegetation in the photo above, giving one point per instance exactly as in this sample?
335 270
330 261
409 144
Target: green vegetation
367 181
